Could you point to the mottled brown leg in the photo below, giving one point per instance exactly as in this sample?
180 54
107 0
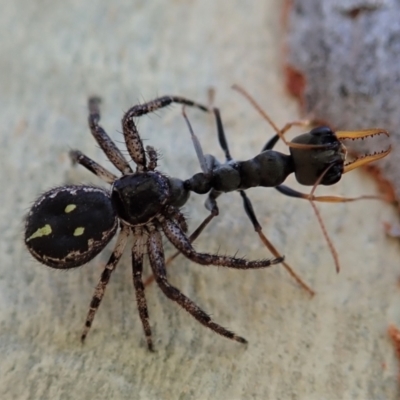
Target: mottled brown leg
79 158
107 145
133 141
195 234
104 279
175 235
137 268
152 154
156 256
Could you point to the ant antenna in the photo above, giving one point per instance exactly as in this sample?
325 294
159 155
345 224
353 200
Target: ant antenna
196 144
279 132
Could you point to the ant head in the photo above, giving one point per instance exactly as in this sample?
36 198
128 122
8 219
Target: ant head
319 150
319 155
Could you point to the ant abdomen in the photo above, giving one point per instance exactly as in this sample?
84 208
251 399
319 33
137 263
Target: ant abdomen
267 169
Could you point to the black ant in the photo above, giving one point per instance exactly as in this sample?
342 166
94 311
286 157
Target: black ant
316 158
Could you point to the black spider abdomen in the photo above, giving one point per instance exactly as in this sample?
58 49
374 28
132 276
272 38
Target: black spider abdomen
69 225
139 197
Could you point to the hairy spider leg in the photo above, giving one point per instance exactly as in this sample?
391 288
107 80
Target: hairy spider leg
157 263
177 237
138 249
105 278
104 141
152 154
133 140
78 157
195 234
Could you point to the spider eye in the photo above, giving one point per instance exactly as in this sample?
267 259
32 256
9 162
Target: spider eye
69 225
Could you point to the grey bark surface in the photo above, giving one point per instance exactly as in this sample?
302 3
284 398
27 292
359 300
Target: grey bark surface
333 346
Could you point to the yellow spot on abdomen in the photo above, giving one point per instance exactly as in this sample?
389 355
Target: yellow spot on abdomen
79 231
44 231
69 208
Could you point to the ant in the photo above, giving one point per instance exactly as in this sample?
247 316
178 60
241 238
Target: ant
69 225
316 158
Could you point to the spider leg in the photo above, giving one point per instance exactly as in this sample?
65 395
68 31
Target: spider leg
156 256
107 145
137 269
133 141
79 158
178 238
152 154
195 234
104 279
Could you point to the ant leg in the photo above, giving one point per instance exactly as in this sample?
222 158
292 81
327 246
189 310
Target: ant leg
104 279
287 191
221 135
107 145
137 268
311 198
331 199
133 141
156 256
204 165
211 202
175 235
258 228
78 157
